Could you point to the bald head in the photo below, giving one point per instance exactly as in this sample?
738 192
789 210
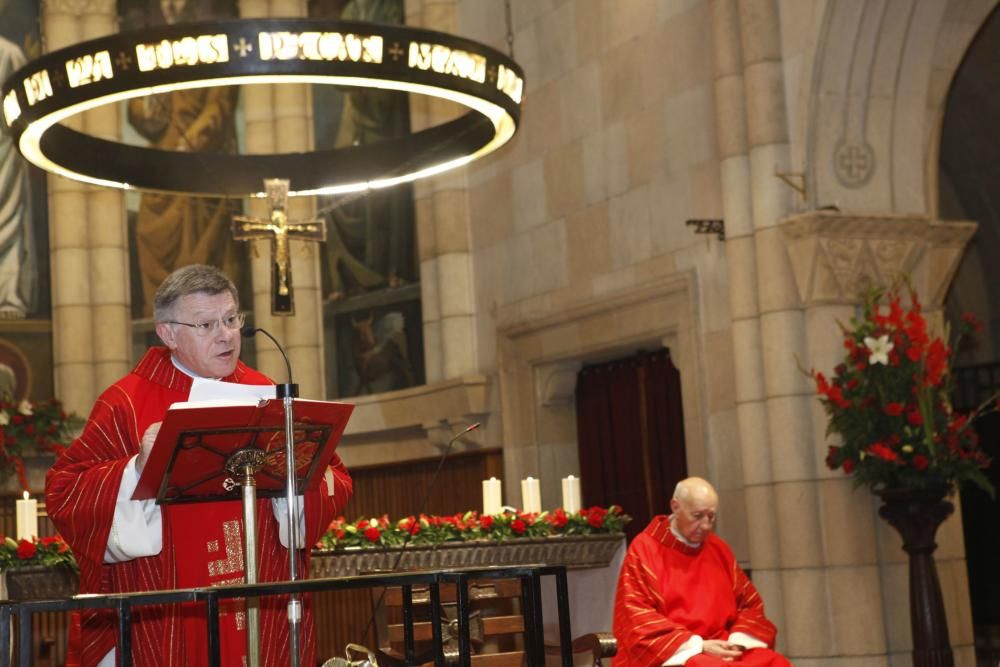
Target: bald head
694 505
695 488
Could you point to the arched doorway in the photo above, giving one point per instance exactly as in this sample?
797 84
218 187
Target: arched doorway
969 188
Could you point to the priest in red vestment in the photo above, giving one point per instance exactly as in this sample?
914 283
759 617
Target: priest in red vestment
123 545
683 600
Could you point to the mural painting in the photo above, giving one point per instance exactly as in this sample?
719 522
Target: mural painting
370 269
167 231
25 305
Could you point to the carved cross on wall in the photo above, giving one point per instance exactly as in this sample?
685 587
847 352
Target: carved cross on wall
279 230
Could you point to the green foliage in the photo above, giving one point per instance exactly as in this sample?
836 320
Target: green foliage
46 551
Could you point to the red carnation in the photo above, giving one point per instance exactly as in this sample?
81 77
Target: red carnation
894 409
558 518
518 526
372 534
486 522
596 516
26 550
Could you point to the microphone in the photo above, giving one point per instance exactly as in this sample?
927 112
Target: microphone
292 390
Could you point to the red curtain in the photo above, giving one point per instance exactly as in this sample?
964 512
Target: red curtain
630 430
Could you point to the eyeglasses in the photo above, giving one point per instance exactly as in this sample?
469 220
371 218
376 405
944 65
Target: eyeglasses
209 327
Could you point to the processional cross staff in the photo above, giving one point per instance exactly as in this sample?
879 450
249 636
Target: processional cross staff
279 230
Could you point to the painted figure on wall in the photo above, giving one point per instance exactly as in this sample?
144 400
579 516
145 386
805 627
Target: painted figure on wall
370 237
175 230
18 268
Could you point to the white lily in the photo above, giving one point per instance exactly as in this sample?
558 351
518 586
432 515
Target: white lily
880 348
24 407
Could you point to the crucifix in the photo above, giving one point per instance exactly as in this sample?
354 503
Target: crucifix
280 230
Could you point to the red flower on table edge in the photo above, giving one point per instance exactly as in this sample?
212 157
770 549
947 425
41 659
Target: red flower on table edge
470 526
889 401
44 551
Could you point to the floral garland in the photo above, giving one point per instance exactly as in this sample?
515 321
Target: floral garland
468 526
45 551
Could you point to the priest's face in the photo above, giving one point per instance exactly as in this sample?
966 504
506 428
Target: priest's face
197 334
694 516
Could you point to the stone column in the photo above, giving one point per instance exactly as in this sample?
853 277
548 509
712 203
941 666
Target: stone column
446 272
108 234
87 241
835 257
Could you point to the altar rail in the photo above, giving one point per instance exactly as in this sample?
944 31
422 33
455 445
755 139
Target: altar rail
530 577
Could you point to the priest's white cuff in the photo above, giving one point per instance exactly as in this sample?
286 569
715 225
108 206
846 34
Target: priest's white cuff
137 527
746 640
280 507
687 650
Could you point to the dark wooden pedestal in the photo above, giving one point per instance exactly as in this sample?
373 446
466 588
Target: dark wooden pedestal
916 514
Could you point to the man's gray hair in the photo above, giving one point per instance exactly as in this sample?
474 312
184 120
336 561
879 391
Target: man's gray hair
192 279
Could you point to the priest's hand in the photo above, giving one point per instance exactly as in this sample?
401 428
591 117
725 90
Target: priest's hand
146 446
722 649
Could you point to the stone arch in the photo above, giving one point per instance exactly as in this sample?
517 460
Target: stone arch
876 99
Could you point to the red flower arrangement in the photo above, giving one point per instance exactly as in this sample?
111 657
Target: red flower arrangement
26 427
47 551
429 530
889 402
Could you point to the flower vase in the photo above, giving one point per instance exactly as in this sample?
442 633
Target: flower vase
916 514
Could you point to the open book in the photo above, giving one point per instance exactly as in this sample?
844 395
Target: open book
188 460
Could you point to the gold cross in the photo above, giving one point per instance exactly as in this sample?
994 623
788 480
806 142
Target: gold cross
280 230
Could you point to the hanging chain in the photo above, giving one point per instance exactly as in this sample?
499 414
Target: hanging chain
510 28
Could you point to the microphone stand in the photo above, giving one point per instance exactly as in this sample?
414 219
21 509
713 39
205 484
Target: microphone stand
287 393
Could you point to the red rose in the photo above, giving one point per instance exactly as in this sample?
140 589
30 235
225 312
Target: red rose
914 418
920 462
26 550
518 526
486 522
558 518
894 409
596 517
372 534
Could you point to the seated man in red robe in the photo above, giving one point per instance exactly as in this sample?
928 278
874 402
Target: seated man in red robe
125 545
683 600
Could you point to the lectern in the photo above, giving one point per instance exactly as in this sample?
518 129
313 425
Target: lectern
210 452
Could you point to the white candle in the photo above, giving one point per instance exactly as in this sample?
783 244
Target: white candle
492 496
531 495
27 518
571 494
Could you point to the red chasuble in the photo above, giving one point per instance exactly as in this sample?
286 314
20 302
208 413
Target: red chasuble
668 591
202 543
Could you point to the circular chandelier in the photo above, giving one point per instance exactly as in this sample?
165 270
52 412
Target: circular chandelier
39 97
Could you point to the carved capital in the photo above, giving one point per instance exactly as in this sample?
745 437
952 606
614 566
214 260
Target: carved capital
80 7
836 256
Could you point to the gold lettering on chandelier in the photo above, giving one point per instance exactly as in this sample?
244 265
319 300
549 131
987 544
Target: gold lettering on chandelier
444 60
88 69
11 109
37 87
509 83
327 46
198 50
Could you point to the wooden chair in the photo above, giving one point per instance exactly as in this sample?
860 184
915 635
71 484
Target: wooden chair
496 622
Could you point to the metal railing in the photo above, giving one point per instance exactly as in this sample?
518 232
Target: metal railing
123 604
